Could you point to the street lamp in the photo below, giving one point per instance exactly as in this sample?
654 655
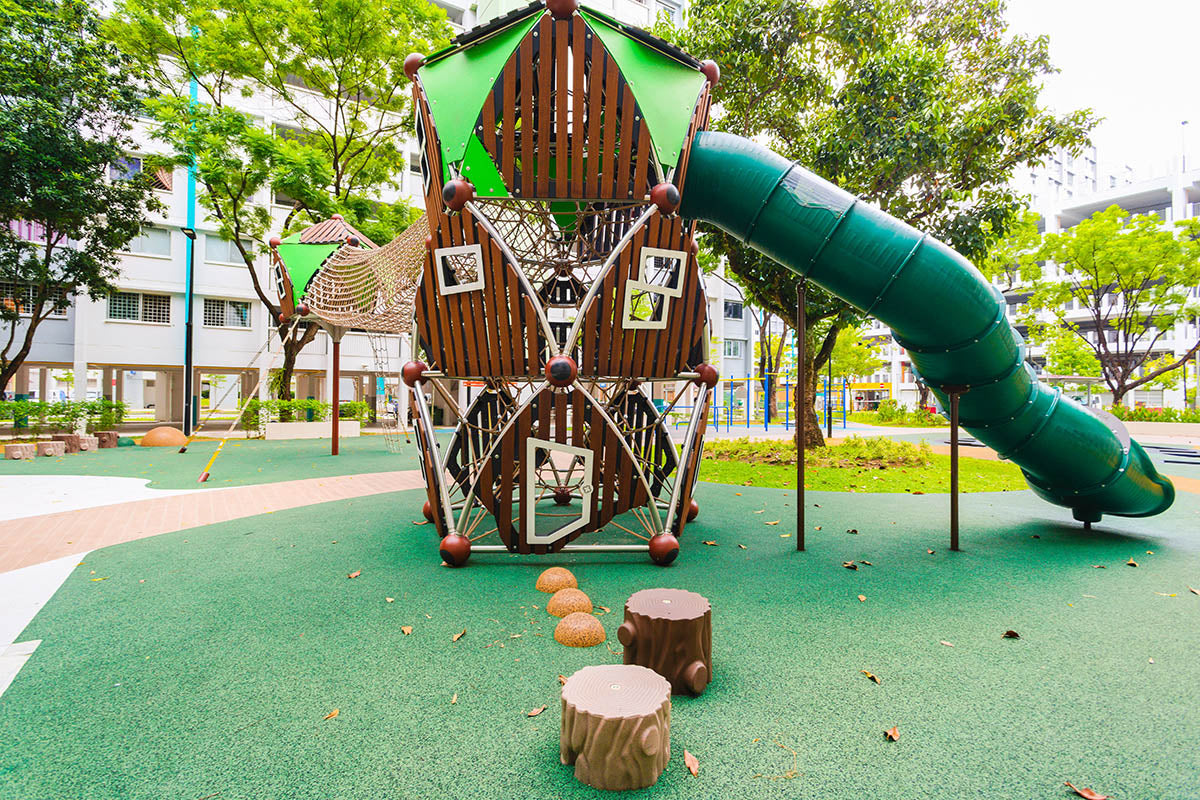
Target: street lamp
188 400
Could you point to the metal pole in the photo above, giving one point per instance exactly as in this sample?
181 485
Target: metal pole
954 471
188 301
829 398
801 416
337 380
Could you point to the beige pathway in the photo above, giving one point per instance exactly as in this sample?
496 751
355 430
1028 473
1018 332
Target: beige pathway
33 540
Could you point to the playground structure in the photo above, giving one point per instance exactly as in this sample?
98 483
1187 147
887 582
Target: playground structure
557 150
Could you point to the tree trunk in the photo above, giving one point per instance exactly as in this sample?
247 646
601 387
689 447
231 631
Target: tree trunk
670 632
616 726
291 349
813 436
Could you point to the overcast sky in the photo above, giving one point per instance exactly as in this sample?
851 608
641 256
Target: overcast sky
1137 64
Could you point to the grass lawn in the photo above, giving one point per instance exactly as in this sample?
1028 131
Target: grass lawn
975 475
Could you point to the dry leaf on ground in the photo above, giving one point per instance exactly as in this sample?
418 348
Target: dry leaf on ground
948 644
355 574
535 712
1087 794
422 522
868 563
862 598
849 565
454 699
892 734
710 543
458 635
871 676
929 551
1131 563
692 763
332 714
1011 635
774 522
744 547
406 630
390 599
1193 591
562 680
1099 566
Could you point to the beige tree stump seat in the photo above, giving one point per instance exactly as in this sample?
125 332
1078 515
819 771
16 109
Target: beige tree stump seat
88 444
107 439
670 632
616 726
16 452
71 440
51 448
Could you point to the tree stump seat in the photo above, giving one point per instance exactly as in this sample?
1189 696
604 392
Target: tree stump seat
616 726
670 632
16 452
51 448
107 439
70 440
89 443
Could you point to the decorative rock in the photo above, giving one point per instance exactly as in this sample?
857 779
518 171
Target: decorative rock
568 601
579 629
670 632
51 448
163 436
70 440
108 439
555 578
616 726
16 452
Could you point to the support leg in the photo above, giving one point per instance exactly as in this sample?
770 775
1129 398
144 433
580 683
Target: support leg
801 416
954 471
337 380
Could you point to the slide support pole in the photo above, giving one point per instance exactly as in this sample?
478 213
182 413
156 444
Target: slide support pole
800 416
337 380
954 393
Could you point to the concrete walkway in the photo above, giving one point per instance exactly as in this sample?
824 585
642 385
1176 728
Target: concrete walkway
36 539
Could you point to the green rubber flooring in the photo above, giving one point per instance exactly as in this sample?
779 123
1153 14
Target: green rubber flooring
204 662
242 462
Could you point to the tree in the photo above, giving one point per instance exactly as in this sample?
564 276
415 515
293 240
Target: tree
1067 354
923 108
66 106
1133 277
336 69
1011 259
853 356
771 349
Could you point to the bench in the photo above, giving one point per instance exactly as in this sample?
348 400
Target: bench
16 452
51 448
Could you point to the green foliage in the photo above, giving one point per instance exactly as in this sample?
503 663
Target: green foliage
36 417
1012 257
1068 354
852 356
66 105
855 451
1156 414
891 413
1110 255
358 410
258 412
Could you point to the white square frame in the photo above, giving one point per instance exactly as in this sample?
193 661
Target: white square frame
460 250
529 506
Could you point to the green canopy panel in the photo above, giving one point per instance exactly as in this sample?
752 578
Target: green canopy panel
480 170
457 84
303 261
664 88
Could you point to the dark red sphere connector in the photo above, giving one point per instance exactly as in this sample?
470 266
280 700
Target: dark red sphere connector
275 241
666 196
455 549
413 372
302 310
561 371
456 192
562 9
412 63
427 511
693 510
663 549
711 71
562 496
707 375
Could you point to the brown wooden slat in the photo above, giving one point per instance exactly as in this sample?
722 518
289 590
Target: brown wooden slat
528 169
625 158
562 106
533 329
523 424
499 292
595 114
642 166
544 107
608 147
561 400
578 130
508 129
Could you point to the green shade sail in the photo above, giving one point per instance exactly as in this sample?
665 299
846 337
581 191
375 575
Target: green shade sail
457 84
481 171
302 261
665 89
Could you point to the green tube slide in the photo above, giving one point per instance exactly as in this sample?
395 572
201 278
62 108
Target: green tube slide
940 309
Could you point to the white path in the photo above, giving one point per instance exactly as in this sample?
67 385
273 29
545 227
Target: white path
35 495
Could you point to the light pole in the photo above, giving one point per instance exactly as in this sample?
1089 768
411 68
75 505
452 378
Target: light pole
1183 146
188 400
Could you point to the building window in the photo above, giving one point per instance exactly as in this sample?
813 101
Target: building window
127 168
734 348
20 297
151 242
226 313
137 307
733 310
224 251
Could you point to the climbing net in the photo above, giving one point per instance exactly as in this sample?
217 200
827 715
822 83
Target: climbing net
371 289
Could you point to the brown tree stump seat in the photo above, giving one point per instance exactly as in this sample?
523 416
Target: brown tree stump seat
107 439
670 632
616 726
16 452
71 440
51 448
89 444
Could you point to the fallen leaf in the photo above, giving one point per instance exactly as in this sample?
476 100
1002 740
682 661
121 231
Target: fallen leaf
454 699
1152 661
1011 635
1087 794
868 563
918 493
562 680
422 522
106 577
514 636
948 644
1193 591
605 609
692 763
535 711
784 535
892 734
817 528
929 551
1164 594
739 494
390 599
862 598
355 574
710 543
871 676
851 530
406 630
458 635
760 511
1099 566
1131 563
776 522
332 714
1149 552
849 565
744 547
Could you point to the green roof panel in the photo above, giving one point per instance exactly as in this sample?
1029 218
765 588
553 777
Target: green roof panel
303 261
457 84
665 89
481 171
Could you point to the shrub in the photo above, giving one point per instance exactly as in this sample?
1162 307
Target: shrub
1156 414
258 412
37 417
358 410
855 451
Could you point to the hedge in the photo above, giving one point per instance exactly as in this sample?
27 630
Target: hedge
36 417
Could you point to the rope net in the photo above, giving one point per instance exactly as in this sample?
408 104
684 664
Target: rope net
371 289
